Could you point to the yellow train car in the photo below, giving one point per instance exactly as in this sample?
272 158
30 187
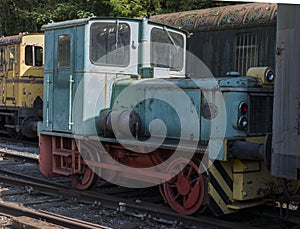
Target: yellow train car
21 84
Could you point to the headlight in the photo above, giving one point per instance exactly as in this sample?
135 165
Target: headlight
243 123
270 76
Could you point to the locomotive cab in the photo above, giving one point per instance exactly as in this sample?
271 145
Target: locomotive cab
84 59
88 52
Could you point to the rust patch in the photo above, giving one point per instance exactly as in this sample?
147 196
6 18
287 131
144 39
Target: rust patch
220 17
268 189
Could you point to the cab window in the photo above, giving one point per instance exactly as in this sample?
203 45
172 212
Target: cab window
33 55
110 44
64 47
167 49
12 54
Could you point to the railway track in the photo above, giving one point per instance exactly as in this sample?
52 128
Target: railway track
23 141
25 216
142 210
120 202
19 149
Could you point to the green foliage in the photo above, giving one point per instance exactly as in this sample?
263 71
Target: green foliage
30 15
20 16
134 8
61 12
184 5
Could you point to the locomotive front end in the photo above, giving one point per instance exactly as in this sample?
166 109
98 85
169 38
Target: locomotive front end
228 140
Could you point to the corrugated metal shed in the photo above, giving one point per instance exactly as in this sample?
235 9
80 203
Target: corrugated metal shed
286 115
220 17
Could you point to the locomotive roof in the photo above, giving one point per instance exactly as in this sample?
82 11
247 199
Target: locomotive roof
83 21
14 39
221 17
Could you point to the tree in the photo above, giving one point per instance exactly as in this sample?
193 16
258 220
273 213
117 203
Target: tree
30 15
169 6
27 15
133 8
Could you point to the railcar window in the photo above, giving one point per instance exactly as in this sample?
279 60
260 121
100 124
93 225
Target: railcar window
246 52
12 53
64 47
33 55
166 49
110 44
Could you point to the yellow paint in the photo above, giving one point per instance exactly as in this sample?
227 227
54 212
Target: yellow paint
214 194
260 73
242 205
221 181
258 140
245 166
18 87
252 182
249 185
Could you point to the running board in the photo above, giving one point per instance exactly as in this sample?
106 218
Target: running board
242 205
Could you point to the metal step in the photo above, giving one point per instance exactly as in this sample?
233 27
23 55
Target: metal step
239 206
10 126
7 113
61 171
62 152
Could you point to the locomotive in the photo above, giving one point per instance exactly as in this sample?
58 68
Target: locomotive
21 84
118 105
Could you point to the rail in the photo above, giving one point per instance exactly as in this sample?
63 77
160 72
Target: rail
112 202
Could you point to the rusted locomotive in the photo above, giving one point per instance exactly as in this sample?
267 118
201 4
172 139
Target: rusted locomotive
21 84
118 105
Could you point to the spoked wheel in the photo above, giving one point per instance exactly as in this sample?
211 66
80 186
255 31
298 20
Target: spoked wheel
11 122
87 179
186 192
14 134
28 126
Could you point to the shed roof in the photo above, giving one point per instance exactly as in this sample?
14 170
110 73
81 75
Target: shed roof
221 17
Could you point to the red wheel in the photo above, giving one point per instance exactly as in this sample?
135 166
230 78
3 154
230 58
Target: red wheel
87 178
186 191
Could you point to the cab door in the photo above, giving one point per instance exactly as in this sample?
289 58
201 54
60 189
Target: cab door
63 81
11 75
2 75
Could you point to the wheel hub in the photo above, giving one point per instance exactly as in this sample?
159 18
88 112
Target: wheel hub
185 192
183 185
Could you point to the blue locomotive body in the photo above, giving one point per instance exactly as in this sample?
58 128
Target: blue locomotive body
119 106
201 110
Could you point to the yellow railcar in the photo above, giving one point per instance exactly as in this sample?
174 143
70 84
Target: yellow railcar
21 84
